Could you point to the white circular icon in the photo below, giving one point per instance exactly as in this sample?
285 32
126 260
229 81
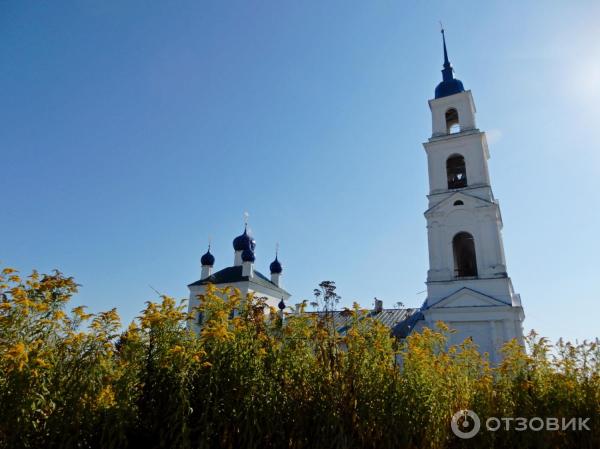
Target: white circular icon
459 424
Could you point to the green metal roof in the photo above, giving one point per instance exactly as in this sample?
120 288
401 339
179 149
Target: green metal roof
400 321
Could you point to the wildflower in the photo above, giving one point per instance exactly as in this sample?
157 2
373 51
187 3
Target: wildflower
41 307
18 354
42 363
107 396
59 315
79 312
177 349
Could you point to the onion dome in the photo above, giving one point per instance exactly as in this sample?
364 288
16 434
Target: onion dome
207 259
244 241
248 255
276 266
449 85
281 304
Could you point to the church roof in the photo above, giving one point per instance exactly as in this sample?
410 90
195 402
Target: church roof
400 321
449 85
230 275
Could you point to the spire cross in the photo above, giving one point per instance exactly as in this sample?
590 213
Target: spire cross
246 215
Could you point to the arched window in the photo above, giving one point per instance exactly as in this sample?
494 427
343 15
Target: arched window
456 172
459 203
465 263
452 124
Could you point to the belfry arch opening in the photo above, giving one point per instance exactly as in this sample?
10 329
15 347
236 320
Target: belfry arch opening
456 171
452 123
465 262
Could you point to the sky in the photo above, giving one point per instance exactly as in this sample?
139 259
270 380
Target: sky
132 132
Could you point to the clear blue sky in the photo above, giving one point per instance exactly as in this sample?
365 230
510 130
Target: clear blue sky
132 131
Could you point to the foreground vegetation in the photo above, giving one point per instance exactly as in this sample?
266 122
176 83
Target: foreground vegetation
77 380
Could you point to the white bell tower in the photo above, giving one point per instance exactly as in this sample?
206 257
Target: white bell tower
467 283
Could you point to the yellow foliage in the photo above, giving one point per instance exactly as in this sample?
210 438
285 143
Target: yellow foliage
296 382
106 398
17 355
59 315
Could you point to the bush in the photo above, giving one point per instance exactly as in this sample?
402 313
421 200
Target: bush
77 380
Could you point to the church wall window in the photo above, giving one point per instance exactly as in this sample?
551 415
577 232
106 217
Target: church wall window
465 262
456 171
452 123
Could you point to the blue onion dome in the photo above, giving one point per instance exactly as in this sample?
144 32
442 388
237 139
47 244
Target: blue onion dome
244 241
248 255
207 259
447 88
275 266
281 304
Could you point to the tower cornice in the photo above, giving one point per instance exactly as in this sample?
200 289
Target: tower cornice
458 141
445 137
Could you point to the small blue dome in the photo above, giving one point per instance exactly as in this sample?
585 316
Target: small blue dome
275 266
281 304
248 255
449 87
207 259
244 241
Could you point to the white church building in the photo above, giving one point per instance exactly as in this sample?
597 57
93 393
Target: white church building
468 286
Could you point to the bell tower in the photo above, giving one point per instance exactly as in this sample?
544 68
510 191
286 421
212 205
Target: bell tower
467 283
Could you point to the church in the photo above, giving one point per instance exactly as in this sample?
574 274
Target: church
242 275
468 286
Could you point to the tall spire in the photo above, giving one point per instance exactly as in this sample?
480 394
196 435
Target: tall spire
449 84
447 73
446 62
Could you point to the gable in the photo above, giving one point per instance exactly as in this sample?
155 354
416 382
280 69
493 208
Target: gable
466 297
448 203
